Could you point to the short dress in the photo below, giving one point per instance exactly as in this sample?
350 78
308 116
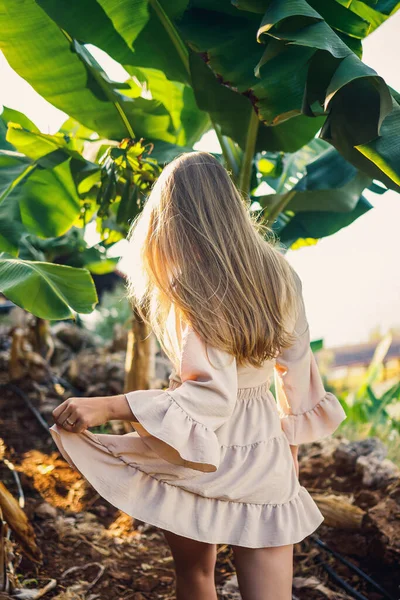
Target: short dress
210 456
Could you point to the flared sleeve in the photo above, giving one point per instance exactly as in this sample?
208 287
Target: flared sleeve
307 411
179 423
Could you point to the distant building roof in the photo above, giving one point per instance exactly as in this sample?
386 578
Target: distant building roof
361 354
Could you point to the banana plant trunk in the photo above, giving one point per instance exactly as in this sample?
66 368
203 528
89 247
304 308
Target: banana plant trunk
138 363
41 336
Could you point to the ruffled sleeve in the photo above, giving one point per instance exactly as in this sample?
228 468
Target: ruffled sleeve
179 423
307 411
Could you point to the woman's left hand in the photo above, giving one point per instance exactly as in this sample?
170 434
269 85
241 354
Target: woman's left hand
77 414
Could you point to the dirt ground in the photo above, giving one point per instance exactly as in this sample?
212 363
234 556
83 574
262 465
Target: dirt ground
92 551
112 556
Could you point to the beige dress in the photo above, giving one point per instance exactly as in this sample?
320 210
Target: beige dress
209 458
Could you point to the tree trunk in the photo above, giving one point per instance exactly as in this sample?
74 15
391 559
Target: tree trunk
138 358
40 336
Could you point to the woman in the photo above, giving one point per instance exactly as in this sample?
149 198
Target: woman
213 459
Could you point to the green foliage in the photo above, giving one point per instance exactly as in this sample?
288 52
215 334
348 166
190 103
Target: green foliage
70 249
266 75
317 345
290 61
49 189
371 410
317 192
126 177
114 309
46 290
370 414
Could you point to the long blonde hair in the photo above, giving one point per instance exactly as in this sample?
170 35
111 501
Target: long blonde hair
197 248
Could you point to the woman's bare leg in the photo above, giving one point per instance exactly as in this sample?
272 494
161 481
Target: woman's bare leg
264 573
194 567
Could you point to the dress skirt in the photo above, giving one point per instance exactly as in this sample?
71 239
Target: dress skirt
252 498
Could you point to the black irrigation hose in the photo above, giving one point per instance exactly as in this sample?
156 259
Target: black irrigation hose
343 584
21 394
21 496
354 568
66 384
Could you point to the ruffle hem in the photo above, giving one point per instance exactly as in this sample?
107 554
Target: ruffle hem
314 424
156 502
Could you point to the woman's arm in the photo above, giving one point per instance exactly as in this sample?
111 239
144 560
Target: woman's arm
119 409
90 412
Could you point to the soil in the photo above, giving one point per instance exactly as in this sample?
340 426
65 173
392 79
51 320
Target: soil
96 552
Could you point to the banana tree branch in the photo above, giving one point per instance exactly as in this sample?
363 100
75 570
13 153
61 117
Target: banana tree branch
247 162
173 34
231 161
275 208
227 148
88 59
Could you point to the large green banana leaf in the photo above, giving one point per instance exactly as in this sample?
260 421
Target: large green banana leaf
38 184
112 26
70 249
305 64
327 198
139 33
64 72
11 227
303 48
46 290
309 226
54 69
48 203
233 113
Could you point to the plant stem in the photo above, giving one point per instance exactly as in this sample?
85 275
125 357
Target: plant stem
107 89
279 206
183 53
18 180
230 160
247 162
174 36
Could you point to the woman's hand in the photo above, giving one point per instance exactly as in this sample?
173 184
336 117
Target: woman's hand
77 414
295 451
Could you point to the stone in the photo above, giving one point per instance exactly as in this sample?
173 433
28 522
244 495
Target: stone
375 472
347 454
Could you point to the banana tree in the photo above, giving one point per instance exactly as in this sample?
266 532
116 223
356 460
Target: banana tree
265 75
48 194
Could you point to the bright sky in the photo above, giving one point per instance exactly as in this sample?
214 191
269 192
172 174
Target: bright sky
351 280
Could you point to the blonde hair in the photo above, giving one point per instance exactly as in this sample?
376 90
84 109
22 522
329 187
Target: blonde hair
197 248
